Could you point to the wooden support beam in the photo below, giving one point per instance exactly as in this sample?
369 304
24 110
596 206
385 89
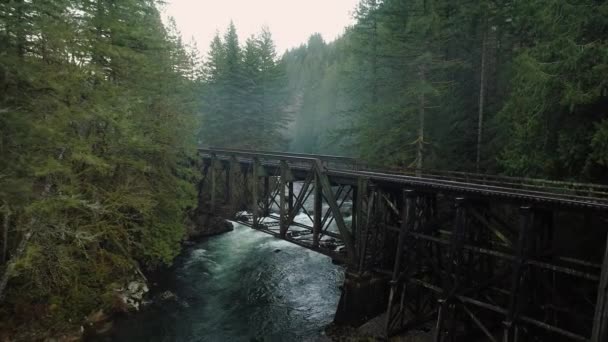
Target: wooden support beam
283 210
359 211
452 283
407 220
302 196
353 222
364 231
255 192
290 196
600 320
266 195
201 188
234 174
494 229
345 235
511 330
318 210
225 169
213 175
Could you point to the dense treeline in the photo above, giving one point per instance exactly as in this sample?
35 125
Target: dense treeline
244 93
516 87
97 123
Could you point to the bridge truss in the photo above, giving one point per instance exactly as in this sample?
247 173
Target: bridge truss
467 256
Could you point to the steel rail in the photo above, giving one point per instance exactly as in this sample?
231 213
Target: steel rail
450 185
430 173
483 190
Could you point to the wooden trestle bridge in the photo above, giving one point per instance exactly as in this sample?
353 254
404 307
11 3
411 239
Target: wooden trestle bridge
470 257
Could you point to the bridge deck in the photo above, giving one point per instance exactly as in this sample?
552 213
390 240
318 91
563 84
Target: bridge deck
348 170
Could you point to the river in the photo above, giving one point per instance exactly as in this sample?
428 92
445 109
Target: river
241 286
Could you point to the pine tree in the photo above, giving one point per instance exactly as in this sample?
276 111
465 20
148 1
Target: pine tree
98 111
244 93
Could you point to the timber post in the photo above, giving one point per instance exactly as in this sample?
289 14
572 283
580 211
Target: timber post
359 218
317 210
511 329
213 175
326 190
290 196
234 173
600 320
266 196
255 192
446 310
283 210
407 217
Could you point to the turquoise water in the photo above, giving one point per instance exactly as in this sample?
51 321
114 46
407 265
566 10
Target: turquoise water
241 286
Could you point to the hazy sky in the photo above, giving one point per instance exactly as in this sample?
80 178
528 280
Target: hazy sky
290 21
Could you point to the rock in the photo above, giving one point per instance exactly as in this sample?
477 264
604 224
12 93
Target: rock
167 295
329 243
131 298
133 287
277 250
242 218
203 225
97 317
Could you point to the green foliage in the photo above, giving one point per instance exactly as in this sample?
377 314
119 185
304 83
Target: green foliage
98 115
244 93
404 84
559 91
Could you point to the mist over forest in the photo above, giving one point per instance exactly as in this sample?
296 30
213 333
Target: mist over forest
103 105
497 87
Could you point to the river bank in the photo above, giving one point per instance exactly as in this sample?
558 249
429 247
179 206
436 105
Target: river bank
153 288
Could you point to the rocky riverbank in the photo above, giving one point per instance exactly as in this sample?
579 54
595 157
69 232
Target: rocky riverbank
150 288
126 298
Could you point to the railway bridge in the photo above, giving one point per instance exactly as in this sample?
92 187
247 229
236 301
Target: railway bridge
466 256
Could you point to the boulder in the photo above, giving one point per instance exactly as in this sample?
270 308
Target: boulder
203 225
131 297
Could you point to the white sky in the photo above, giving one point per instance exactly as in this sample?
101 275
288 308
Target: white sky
290 21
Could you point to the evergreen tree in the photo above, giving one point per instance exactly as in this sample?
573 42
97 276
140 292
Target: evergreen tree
97 110
244 93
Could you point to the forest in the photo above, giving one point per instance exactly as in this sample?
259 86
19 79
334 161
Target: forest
503 87
102 107
98 124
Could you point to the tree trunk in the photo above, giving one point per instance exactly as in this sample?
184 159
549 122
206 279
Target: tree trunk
20 28
11 265
482 88
5 226
375 58
421 117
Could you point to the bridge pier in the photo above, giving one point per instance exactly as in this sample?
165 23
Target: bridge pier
363 297
600 319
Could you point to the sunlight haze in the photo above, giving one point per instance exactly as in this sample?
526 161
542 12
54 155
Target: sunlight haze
290 21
